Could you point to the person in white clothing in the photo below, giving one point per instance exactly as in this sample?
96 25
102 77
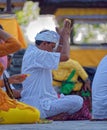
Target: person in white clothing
99 92
39 60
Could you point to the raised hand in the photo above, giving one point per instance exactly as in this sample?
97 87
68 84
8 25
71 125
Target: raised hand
65 31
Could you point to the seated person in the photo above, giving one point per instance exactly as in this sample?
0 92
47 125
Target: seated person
12 111
99 92
70 78
39 60
79 78
16 92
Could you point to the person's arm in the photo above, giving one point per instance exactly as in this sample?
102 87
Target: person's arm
1 83
10 44
82 75
64 45
1 69
14 79
16 93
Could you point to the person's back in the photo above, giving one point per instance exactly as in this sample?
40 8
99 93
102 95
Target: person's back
65 69
99 91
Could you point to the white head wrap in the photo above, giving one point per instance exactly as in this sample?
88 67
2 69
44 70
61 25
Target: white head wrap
49 36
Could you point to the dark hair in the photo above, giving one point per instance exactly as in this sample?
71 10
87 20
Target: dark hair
46 30
38 42
1 27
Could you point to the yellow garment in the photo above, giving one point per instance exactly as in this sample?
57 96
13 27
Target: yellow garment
88 56
11 26
14 112
64 70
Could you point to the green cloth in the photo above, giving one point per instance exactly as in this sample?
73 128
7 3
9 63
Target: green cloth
68 84
85 94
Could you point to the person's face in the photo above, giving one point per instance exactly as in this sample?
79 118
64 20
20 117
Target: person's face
49 46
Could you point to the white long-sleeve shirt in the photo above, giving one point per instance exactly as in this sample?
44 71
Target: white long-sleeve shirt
99 91
37 88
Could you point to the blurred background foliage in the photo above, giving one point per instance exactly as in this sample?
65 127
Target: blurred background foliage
83 33
29 12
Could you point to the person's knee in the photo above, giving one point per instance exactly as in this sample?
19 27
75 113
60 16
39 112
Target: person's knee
77 103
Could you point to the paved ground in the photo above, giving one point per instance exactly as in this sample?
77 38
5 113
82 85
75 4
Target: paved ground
59 125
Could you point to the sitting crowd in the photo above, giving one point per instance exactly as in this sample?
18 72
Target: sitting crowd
49 67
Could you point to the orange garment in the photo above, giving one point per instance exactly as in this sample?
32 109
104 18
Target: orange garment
12 111
6 103
1 71
10 46
4 61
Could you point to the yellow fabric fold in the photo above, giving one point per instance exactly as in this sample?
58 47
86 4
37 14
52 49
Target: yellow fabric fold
64 70
11 26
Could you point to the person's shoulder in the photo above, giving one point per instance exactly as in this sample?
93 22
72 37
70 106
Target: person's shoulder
30 47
